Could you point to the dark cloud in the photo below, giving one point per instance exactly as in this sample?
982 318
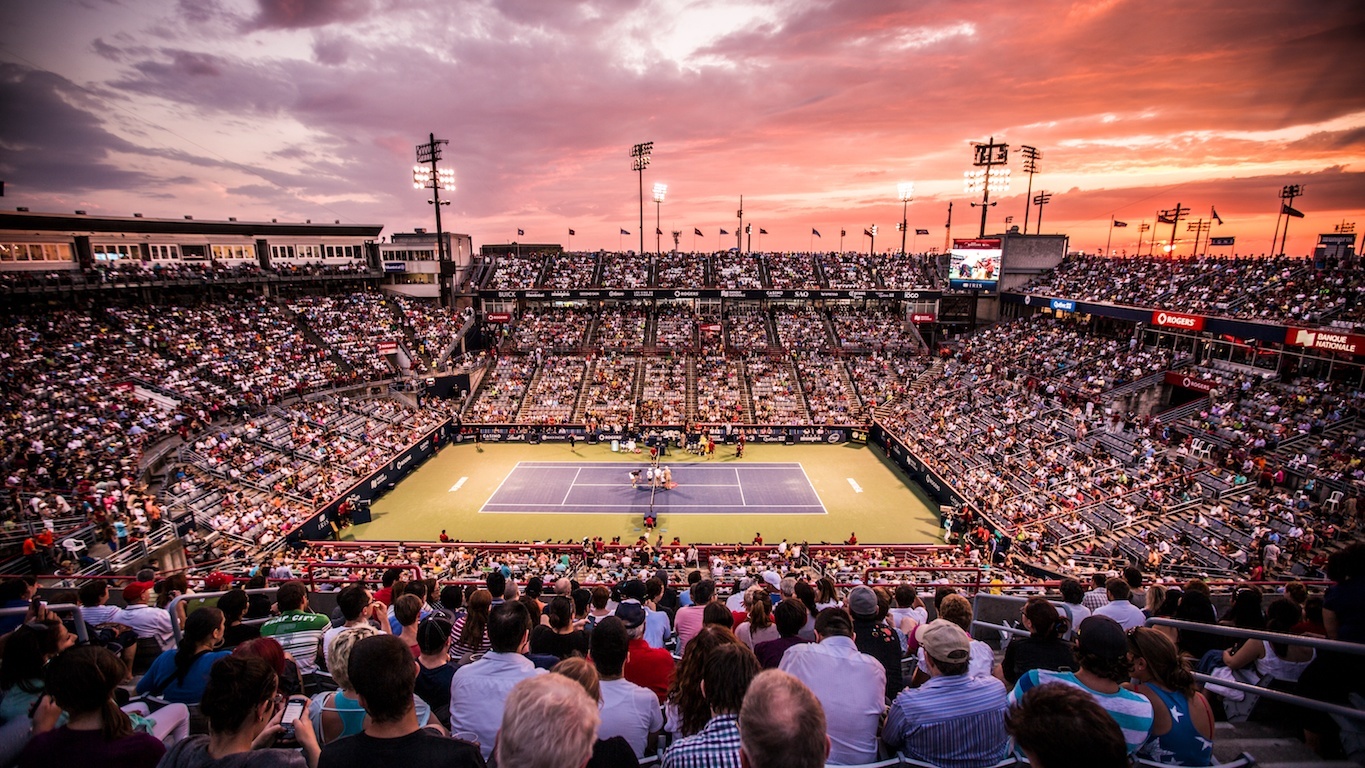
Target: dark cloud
304 14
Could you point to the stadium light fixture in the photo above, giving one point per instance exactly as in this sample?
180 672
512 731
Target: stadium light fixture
660 190
987 179
1031 156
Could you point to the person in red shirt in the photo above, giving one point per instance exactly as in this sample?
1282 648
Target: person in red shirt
852 538
646 666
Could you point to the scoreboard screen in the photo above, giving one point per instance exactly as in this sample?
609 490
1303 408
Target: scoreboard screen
975 264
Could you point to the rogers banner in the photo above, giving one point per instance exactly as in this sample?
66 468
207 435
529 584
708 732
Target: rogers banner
1185 322
387 347
1332 341
1190 382
498 317
922 317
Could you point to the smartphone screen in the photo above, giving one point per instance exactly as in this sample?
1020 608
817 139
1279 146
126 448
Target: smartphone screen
293 710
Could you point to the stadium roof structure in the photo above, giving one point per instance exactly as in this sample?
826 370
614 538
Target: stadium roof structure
77 223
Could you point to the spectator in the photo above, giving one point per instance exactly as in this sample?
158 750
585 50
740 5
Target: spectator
606 753
286 669
758 626
1060 726
471 630
645 665
26 652
81 683
1120 608
407 609
715 613
234 604
628 710
958 610
658 625
953 720
1133 577
180 675
243 710
688 620
1073 595
297 629
729 670
1102 653
479 690
149 622
790 618
782 724
559 638
874 637
435 672
1098 595
339 713
384 675
357 609
1044 648
549 722
391 582
1183 721
849 684
686 710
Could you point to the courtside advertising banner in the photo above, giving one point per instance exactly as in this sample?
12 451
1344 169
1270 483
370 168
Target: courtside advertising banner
1166 319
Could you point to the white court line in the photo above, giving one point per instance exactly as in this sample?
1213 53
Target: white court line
571 484
636 506
740 485
814 492
856 488
457 485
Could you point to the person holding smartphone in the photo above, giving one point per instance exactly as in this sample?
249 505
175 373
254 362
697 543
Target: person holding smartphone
247 718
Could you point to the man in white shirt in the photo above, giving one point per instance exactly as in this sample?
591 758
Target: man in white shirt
628 710
849 684
1119 608
478 693
146 620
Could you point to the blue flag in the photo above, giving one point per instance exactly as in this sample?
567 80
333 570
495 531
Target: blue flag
723 232
625 231
815 231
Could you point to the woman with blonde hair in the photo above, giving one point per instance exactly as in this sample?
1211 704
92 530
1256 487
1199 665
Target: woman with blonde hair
338 713
1183 721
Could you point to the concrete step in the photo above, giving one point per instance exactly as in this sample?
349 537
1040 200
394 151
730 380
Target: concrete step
1272 745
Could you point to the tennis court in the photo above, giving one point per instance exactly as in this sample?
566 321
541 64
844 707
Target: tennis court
540 487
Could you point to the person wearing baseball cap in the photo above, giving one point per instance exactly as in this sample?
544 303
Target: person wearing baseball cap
873 636
1102 652
953 718
148 621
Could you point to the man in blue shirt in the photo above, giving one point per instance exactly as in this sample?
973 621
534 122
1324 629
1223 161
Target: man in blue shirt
953 720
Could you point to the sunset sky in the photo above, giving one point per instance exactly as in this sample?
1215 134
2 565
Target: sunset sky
813 111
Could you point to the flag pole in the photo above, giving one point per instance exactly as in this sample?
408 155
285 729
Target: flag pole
1109 240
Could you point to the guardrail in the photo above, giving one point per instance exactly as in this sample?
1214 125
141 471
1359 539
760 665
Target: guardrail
1316 643
173 604
74 610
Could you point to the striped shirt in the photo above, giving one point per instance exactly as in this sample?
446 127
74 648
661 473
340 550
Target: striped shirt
299 632
1132 711
953 722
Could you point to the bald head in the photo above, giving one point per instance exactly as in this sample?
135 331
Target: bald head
781 724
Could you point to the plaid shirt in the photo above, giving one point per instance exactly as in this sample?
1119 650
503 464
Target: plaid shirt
715 746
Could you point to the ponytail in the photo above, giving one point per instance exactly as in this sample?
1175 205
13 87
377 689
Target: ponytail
199 627
1047 623
760 610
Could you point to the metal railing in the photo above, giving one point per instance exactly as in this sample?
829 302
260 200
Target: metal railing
71 608
1316 643
175 603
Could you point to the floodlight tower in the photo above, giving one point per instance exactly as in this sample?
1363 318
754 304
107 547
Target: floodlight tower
905 191
988 179
431 177
1031 156
639 162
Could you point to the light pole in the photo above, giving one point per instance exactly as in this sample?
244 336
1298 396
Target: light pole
905 191
988 179
872 240
639 162
1198 227
1031 157
1041 199
1172 216
659 191
436 179
1287 195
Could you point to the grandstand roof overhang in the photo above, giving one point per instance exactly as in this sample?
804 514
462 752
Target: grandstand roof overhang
76 224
